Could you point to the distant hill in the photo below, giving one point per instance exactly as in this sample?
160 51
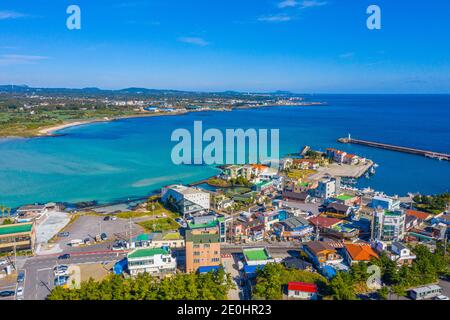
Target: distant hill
22 89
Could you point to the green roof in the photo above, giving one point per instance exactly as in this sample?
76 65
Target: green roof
344 197
172 236
15 228
303 184
392 213
142 253
210 224
256 254
142 237
202 238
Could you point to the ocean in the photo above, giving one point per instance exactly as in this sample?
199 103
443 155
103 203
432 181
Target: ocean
112 161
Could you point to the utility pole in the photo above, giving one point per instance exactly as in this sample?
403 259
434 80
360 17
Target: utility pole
130 230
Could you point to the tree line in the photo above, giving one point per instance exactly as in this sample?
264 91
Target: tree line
209 286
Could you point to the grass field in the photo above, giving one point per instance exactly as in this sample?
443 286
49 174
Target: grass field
162 224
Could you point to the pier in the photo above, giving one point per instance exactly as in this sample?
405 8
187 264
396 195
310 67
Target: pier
426 153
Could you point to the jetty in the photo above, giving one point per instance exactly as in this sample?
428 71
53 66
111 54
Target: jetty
426 153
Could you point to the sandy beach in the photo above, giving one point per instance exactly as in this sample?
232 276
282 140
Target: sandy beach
50 131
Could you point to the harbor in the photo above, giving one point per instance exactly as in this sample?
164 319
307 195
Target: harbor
426 153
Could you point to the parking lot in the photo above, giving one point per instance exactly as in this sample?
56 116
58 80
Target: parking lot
87 227
8 283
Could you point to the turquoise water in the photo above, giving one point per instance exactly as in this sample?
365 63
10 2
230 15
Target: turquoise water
131 157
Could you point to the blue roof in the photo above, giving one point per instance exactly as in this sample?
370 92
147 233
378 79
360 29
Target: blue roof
252 269
120 266
329 272
207 269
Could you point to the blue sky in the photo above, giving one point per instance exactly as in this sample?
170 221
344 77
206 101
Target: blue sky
313 46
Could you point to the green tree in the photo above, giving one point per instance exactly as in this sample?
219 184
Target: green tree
342 287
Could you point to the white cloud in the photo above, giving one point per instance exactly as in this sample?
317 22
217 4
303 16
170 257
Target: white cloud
194 40
288 4
301 4
275 18
11 15
11 59
347 55
312 3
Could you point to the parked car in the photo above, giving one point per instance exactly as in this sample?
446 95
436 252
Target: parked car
64 256
60 281
7 293
60 267
113 218
62 272
103 236
87 241
63 234
106 218
441 297
19 292
20 276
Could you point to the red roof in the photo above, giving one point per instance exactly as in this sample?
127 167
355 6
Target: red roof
418 214
324 222
302 286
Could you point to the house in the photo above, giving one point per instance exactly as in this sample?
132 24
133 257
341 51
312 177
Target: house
302 197
322 253
389 225
386 203
442 218
202 248
18 236
424 216
171 239
348 200
156 261
355 253
401 254
257 256
262 186
335 228
293 227
336 209
268 218
326 188
412 221
186 200
302 290
298 264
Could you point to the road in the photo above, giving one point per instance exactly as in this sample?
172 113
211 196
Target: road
39 279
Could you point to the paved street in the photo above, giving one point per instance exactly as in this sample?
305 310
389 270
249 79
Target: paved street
39 279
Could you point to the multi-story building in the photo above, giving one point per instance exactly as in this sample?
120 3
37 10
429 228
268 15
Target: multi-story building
186 200
19 236
389 225
383 202
202 248
326 188
156 261
211 221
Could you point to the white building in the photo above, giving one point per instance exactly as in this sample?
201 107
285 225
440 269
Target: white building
326 188
186 200
389 225
401 254
155 261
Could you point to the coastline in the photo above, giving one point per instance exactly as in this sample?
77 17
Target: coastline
51 131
